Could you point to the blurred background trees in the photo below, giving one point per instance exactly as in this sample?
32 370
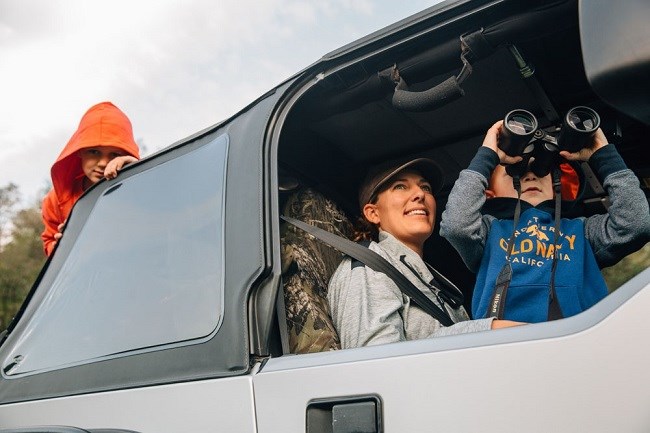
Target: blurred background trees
620 273
21 251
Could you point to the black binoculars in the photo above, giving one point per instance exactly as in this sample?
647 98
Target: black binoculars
520 136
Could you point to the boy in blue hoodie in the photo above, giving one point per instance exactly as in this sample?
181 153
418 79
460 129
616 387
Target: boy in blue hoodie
478 222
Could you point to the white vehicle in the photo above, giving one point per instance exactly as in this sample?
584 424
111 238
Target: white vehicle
175 323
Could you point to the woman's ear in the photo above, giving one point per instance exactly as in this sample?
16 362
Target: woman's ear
370 213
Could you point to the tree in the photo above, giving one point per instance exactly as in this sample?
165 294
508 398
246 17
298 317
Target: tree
9 196
630 266
21 260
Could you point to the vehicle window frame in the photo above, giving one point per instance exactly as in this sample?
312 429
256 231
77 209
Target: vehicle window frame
71 281
244 263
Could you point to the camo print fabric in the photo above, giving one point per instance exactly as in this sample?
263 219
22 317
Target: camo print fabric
307 265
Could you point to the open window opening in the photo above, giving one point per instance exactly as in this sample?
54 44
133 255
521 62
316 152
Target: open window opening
349 120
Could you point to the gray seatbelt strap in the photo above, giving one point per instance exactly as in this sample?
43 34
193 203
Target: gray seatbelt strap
377 263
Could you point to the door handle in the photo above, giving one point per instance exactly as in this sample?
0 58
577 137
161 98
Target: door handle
353 414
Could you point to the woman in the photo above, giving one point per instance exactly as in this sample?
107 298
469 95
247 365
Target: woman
398 208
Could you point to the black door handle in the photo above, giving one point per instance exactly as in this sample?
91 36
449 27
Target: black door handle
353 414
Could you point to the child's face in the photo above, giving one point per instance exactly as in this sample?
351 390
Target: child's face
406 209
533 189
95 159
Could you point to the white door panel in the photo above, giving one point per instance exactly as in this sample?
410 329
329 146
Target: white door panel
595 380
218 405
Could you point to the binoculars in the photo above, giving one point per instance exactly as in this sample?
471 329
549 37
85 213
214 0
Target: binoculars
520 136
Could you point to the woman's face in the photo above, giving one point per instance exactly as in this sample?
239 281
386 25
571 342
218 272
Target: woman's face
406 209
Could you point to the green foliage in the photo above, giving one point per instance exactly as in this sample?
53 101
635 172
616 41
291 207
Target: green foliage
21 254
9 196
620 273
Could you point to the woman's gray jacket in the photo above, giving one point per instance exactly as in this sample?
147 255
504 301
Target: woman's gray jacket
368 308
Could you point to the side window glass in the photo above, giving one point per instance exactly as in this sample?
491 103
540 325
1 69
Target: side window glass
146 269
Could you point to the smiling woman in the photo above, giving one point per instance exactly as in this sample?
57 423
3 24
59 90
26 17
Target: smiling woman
398 208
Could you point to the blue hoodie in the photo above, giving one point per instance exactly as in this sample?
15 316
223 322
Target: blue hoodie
480 231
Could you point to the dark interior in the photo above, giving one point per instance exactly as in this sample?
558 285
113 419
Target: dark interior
347 122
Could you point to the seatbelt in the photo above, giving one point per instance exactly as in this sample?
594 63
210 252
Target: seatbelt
377 263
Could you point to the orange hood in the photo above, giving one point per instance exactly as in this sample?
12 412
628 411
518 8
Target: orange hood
103 125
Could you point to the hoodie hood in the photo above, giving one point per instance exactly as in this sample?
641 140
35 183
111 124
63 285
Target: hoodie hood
573 181
103 125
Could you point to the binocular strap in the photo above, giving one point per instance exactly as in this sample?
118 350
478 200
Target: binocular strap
554 310
498 301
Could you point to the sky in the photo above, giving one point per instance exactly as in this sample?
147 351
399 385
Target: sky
174 67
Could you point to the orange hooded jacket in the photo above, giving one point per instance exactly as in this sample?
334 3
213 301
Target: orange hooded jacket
103 125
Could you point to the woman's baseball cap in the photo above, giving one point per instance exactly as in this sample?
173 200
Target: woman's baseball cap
378 176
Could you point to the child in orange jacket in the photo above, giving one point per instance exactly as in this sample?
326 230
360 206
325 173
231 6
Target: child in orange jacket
101 146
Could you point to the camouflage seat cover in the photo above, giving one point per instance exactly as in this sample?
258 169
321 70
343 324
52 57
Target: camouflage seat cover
307 265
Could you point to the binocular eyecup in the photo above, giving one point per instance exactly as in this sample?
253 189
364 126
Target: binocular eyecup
517 132
520 136
579 126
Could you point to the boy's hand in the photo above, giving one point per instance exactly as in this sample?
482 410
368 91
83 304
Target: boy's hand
500 324
59 234
584 154
491 141
116 164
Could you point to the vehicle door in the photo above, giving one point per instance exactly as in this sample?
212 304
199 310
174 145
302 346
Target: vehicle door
584 373
139 320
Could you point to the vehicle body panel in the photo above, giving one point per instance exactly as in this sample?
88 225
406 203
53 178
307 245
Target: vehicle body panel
588 377
210 405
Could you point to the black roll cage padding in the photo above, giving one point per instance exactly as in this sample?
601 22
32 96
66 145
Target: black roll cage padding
474 47
441 56
430 99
